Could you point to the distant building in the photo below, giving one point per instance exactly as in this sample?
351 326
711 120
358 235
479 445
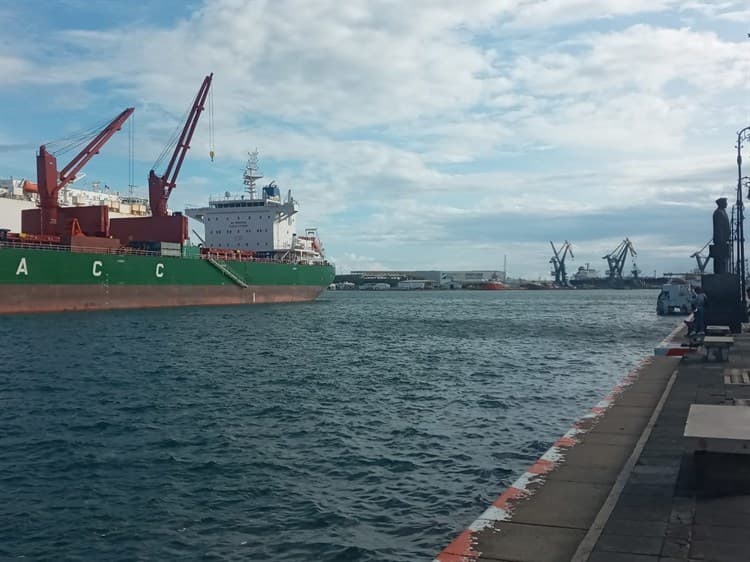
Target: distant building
431 278
411 284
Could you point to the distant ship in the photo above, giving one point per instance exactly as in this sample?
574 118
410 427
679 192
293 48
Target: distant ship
585 274
493 285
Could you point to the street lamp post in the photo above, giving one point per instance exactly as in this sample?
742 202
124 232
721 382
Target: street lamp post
742 136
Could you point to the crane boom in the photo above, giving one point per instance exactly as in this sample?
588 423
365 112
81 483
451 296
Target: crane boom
558 261
50 182
616 258
701 259
160 187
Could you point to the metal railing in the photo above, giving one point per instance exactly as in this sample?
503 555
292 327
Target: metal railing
125 251
81 249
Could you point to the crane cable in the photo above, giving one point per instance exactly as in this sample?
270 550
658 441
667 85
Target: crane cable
75 139
131 153
172 141
211 123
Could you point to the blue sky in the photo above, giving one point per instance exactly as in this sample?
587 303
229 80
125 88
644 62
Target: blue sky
414 134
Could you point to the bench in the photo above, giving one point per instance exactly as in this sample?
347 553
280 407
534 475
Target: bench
719 428
718 347
720 437
717 330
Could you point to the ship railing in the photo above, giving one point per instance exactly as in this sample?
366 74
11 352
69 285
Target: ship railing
78 249
252 259
137 252
7 195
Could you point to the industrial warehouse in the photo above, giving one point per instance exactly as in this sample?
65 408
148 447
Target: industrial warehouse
432 279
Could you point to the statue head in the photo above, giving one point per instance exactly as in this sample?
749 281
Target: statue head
721 202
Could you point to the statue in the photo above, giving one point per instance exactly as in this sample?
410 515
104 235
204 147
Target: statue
722 235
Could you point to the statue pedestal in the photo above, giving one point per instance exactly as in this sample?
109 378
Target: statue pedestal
723 302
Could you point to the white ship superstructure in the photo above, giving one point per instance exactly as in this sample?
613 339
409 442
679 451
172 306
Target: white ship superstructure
17 195
263 224
585 274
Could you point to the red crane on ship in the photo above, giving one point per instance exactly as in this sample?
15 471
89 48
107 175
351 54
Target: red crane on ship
160 187
50 181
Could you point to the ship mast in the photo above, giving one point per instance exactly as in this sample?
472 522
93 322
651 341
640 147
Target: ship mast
252 173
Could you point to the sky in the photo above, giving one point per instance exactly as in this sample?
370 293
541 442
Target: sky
426 134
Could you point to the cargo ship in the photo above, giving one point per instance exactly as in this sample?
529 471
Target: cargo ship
79 258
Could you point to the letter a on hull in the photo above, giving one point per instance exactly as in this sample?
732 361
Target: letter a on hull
22 267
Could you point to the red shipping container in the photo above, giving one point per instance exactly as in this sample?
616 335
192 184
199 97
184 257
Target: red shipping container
93 244
31 221
158 229
92 220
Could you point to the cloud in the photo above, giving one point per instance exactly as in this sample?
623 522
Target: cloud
426 132
726 10
542 14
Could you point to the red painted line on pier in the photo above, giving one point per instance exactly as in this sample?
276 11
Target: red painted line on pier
507 497
464 547
669 347
565 442
541 467
461 549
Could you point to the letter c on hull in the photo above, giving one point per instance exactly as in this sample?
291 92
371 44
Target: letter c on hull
160 270
96 269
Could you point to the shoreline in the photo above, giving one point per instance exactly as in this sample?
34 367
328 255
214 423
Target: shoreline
476 540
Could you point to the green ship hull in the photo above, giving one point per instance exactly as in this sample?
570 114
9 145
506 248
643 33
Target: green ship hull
56 279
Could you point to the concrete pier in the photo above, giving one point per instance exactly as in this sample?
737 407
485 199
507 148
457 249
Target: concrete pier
625 484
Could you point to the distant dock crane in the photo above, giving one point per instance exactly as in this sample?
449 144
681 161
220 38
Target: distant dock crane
616 259
701 259
558 261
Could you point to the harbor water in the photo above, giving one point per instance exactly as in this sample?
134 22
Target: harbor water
365 426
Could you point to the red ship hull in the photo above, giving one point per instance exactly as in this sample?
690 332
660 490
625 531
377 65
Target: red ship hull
59 298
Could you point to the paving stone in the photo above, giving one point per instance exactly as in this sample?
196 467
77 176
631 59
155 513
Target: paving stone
639 399
722 518
596 455
620 557
682 531
563 504
683 511
640 513
530 543
654 475
715 533
610 439
593 475
626 544
623 419
646 501
672 448
718 551
659 460
733 504
647 490
676 547
638 528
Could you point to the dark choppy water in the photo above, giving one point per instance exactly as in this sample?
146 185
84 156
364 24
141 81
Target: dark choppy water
364 427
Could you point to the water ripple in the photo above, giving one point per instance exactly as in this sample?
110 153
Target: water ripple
362 427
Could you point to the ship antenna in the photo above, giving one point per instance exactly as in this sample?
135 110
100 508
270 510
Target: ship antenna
252 173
